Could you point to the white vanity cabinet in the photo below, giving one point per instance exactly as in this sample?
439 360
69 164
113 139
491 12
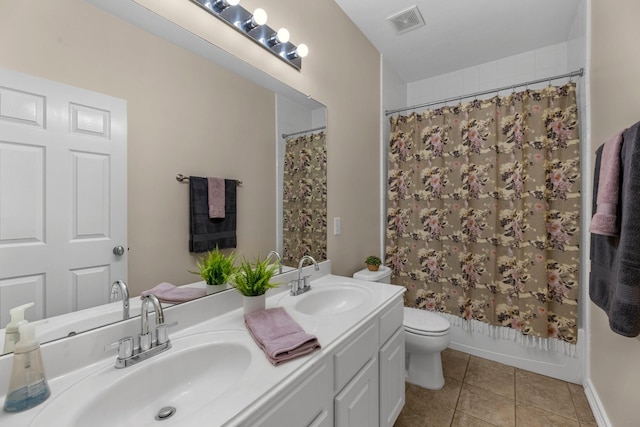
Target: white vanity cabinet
359 382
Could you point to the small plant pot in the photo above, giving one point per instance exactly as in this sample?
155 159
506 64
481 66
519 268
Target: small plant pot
372 267
255 303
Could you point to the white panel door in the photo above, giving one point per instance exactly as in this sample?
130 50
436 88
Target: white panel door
63 201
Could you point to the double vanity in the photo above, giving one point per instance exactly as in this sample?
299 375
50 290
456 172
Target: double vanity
214 374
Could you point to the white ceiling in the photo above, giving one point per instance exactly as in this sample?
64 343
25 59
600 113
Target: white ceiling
460 33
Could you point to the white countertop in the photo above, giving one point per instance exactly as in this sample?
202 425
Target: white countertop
262 381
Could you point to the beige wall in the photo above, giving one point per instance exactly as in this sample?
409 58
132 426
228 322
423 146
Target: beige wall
185 115
342 71
615 104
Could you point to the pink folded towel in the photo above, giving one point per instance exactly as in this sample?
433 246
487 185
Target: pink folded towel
216 197
604 220
279 336
166 292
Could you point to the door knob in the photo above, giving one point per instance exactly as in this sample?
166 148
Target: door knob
118 250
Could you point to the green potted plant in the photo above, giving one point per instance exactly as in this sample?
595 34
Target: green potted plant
373 262
253 280
215 267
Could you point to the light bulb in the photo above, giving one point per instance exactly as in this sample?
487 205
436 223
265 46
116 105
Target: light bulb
302 50
259 17
283 35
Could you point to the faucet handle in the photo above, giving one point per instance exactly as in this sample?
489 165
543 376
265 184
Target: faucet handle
305 281
124 346
161 332
293 285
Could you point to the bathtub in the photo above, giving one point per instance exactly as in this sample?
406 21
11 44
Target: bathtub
550 357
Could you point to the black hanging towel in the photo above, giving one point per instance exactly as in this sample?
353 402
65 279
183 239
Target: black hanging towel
206 233
615 261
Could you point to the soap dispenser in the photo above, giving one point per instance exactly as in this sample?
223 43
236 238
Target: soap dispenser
12 334
28 385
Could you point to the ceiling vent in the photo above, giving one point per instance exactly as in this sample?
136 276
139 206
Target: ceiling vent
407 20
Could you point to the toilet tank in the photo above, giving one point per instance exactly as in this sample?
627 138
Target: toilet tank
383 275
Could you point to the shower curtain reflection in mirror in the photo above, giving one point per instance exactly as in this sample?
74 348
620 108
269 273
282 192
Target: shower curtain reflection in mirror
305 198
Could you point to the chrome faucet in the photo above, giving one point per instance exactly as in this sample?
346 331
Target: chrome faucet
119 288
301 285
145 335
127 354
278 257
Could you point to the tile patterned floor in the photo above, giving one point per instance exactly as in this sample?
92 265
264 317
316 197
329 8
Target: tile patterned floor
483 393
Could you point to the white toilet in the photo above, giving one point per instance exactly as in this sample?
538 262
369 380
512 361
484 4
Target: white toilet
426 335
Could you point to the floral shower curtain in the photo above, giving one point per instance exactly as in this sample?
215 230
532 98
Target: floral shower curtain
305 198
483 210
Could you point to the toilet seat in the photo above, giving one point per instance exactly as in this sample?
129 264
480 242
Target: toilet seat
425 323
425 334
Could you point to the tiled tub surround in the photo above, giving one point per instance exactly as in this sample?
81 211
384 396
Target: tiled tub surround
483 393
69 361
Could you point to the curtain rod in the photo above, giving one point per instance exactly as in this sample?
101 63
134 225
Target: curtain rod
577 73
287 135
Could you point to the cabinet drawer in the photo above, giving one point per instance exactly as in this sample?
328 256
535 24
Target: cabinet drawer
307 404
352 357
391 320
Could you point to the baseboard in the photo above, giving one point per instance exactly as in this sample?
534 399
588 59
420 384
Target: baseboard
596 405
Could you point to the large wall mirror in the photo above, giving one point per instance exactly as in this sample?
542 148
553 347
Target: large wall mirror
190 109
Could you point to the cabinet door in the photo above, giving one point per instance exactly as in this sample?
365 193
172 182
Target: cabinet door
392 379
357 404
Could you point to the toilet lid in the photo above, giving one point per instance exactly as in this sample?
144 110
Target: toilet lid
424 321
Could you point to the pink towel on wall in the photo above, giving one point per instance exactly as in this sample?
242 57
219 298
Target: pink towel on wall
604 220
216 197
279 336
166 292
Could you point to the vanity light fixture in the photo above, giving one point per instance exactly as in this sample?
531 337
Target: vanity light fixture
254 26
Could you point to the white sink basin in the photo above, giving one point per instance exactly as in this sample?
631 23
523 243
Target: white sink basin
191 375
330 300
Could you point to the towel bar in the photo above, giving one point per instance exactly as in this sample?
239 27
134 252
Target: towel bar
182 178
